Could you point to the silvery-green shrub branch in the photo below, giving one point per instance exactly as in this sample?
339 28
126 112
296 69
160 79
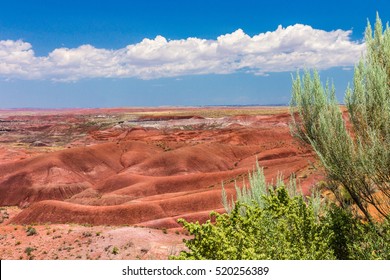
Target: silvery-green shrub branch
256 193
356 156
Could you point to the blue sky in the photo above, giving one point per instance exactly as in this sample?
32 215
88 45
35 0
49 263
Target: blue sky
56 54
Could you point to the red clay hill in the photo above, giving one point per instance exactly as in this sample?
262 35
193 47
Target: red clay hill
145 167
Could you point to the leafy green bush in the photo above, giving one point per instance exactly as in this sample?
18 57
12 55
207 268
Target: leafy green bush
286 228
357 240
284 224
265 222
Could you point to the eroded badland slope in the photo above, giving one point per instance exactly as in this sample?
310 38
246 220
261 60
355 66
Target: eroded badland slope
139 167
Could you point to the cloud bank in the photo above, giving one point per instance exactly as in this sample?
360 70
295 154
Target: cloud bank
282 50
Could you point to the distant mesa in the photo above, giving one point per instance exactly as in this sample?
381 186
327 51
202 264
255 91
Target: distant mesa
39 144
167 118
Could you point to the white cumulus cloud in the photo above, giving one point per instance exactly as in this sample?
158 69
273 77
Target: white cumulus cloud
282 50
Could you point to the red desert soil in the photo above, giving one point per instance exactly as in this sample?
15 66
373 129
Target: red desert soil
134 167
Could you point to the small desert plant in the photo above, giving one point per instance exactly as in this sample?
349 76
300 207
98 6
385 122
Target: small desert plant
115 250
31 231
5 215
29 250
87 234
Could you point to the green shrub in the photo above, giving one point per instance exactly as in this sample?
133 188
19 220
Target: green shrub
284 224
31 231
285 228
265 222
29 250
115 250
